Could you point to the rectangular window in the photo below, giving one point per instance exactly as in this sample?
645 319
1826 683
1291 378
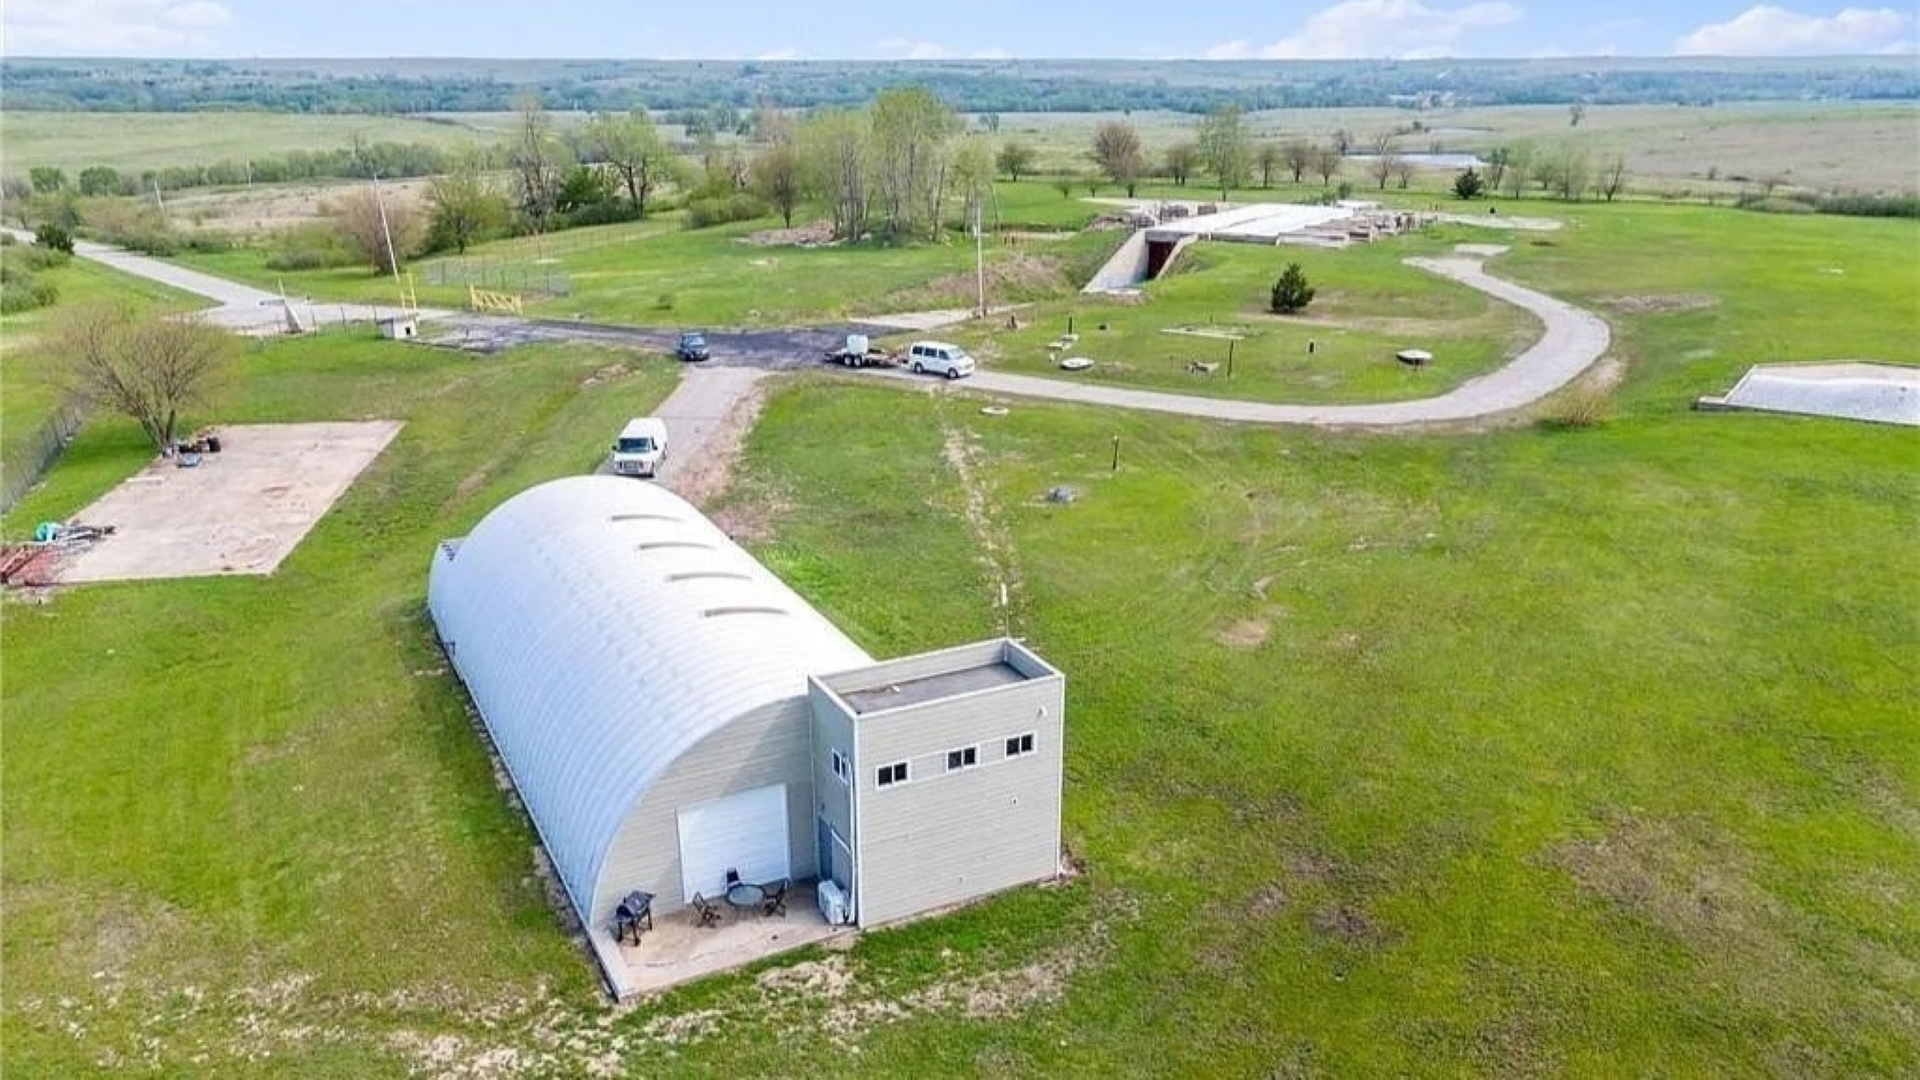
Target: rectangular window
893 774
1020 744
842 767
962 758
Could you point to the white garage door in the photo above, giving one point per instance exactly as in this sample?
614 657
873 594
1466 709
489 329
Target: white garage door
745 832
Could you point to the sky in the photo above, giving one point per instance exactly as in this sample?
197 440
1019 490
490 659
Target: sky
889 29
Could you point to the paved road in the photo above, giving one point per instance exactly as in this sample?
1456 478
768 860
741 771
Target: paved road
240 307
1574 339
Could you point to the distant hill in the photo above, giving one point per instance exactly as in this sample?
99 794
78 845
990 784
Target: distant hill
407 86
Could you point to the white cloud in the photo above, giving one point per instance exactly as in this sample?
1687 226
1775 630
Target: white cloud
1406 29
904 49
110 27
1229 50
779 54
1765 30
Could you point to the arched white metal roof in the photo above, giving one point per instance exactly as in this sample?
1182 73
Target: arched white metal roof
603 626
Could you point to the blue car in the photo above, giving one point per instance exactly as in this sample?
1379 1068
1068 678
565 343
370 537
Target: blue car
693 346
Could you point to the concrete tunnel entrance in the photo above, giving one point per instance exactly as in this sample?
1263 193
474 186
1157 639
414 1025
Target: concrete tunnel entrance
1159 254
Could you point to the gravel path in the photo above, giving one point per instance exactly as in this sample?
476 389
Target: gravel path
239 307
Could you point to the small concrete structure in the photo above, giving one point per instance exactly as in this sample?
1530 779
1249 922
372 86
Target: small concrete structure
1873 391
399 327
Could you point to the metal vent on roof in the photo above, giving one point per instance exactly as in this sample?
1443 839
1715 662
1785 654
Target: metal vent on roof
656 545
700 575
743 610
643 517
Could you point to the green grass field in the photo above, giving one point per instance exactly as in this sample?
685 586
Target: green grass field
656 274
1527 752
1368 305
137 141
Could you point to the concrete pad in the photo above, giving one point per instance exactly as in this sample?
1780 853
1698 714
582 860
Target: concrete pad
1484 251
677 949
240 511
1847 389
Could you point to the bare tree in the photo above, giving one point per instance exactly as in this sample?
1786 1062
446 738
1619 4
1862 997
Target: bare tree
834 149
630 145
1576 112
368 217
972 177
1298 154
912 135
148 368
1570 172
1403 169
1223 143
1326 162
1344 141
1182 158
1116 149
1385 160
777 177
1497 161
1613 176
536 157
1518 169
1268 157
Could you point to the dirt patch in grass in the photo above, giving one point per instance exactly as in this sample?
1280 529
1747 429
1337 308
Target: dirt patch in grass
1658 303
1349 925
1244 634
1017 277
1677 875
812 234
709 476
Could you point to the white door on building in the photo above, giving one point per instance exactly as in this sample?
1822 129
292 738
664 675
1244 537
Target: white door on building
745 832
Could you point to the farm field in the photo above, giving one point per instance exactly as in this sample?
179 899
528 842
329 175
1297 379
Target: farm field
139 141
1668 148
1540 750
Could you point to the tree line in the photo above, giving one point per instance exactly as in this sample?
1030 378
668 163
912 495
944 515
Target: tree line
312 86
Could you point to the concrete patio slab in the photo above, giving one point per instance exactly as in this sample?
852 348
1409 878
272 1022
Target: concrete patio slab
240 511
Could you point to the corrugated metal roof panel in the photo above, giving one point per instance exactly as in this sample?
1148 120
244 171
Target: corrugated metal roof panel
580 615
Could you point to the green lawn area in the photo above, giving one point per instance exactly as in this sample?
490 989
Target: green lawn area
1528 752
655 273
1368 305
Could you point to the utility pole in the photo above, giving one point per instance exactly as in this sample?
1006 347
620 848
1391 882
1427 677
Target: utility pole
381 202
979 258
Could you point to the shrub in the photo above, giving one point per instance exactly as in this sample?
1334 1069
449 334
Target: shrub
21 291
719 210
1291 292
1468 184
54 237
1584 406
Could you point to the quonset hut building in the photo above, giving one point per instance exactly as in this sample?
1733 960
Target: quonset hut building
669 710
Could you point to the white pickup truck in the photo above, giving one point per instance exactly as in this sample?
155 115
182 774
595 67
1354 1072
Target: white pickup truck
641 447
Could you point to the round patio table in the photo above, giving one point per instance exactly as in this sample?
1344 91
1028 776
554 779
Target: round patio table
745 895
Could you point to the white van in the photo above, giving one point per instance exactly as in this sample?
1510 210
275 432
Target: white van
940 358
641 447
